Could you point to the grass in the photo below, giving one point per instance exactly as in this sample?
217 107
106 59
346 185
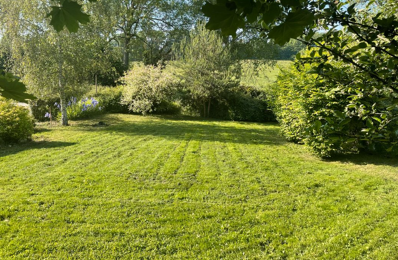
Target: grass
267 73
157 188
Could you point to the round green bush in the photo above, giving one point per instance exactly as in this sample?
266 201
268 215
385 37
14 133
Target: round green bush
16 124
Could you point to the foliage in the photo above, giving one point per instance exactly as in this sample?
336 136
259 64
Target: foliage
12 88
40 107
112 78
84 108
148 28
168 108
68 14
249 104
372 25
283 20
53 63
351 102
290 49
260 75
110 99
16 124
206 68
242 103
337 111
146 87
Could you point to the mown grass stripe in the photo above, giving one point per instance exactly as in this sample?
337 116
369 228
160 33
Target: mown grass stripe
209 190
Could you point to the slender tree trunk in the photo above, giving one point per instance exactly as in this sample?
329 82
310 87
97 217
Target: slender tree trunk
126 52
208 108
96 84
64 115
204 109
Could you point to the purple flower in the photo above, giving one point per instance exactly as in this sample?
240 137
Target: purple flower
47 115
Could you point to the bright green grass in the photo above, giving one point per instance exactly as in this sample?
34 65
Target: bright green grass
267 74
155 188
272 72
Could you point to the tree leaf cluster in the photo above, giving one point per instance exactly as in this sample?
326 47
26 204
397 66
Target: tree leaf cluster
334 108
68 14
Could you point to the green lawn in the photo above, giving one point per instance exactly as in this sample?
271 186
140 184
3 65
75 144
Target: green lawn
157 188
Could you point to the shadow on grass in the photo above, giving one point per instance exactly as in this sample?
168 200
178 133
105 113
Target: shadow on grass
41 130
364 159
6 150
201 130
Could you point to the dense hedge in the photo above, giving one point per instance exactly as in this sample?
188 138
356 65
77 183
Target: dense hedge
16 124
243 104
334 109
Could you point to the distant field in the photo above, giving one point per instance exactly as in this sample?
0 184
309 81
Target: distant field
266 74
157 188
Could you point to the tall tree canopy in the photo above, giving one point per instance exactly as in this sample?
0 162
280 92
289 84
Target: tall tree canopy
50 62
206 66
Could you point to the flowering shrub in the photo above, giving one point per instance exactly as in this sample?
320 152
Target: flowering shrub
15 122
84 108
110 99
146 87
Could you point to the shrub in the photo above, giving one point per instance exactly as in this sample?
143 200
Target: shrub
242 104
85 108
168 108
40 107
333 108
146 88
248 104
16 124
110 99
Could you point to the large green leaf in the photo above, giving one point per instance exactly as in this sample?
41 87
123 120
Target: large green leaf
293 26
273 12
294 3
223 16
69 14
12 88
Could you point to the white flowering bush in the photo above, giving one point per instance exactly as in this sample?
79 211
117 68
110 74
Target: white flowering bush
146 87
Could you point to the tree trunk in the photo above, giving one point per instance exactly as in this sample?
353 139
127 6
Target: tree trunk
126 52
64 115
208 108
204 109
96 84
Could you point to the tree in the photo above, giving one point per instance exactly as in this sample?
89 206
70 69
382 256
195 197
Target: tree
374 25
351 100
49 62
145 22
67 13
205 66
